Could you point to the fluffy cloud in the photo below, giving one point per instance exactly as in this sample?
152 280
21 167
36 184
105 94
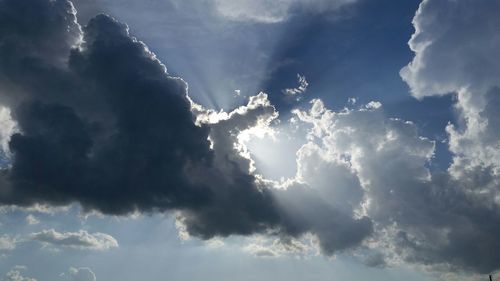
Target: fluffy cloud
16 275
81 240
7 242
333 223
365 164
456 50
79 274
342 163
456 46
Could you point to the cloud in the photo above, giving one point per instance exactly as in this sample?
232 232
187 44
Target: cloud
79 274
418 216
263 247
334 228
261 251
305 210
143 164
302 87
268 11
102 123
443 62
32 220
456 46
250 201
7 128
81 240
7 242
15 275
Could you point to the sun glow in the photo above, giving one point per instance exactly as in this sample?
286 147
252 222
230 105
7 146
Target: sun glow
273 149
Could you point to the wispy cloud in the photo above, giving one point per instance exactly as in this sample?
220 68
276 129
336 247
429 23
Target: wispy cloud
269 11
300 89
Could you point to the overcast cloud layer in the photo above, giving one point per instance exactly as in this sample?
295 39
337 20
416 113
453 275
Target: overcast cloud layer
92 117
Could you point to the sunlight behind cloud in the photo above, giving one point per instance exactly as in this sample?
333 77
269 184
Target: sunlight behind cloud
273 150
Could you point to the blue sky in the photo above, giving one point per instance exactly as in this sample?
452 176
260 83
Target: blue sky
249 140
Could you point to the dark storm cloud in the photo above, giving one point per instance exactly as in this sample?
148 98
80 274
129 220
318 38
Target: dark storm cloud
110 129
37 28
102 124
127 152
35 41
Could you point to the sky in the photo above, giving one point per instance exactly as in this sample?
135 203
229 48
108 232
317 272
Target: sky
249 140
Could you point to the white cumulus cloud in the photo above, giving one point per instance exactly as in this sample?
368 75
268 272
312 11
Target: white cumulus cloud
79 274
456 45
81 240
